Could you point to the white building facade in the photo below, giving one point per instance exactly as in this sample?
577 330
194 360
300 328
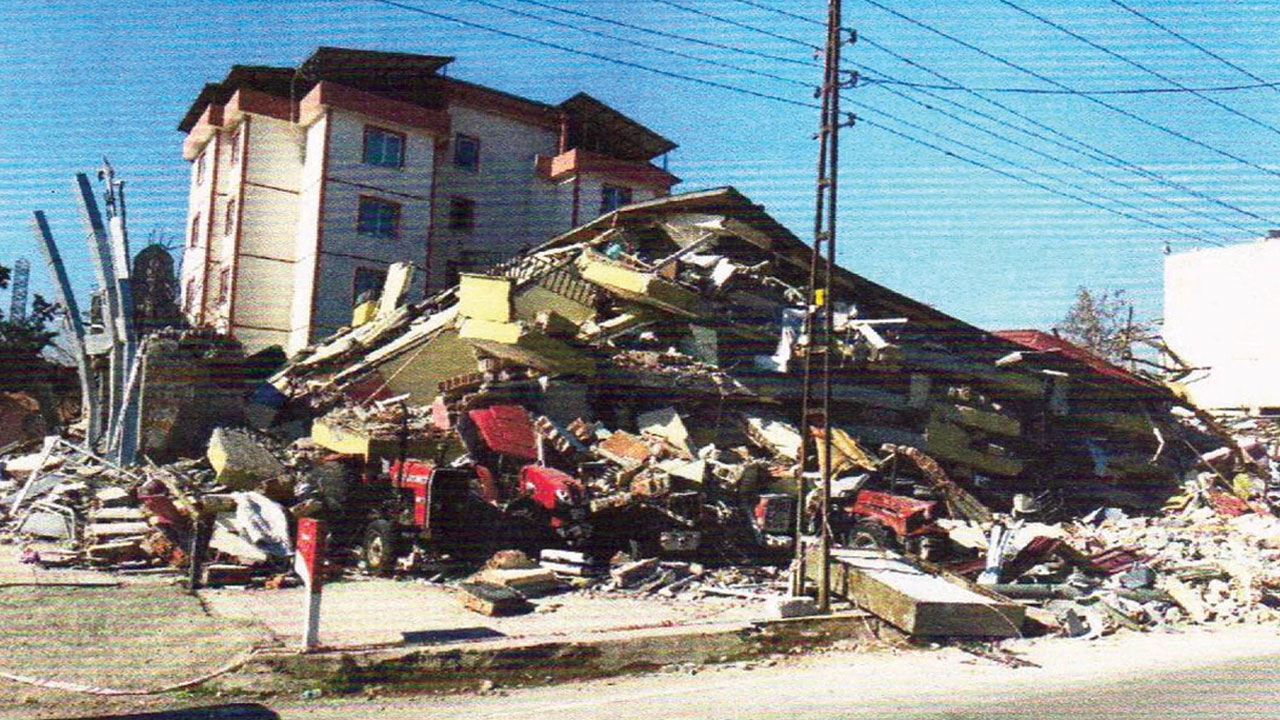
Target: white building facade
307 183
1219 308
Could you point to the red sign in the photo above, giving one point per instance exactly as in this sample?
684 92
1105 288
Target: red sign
309 561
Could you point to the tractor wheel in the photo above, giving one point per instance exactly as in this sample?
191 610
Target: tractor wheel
870 535
379 547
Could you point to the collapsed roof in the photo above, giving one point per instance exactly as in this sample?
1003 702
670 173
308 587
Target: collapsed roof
713 289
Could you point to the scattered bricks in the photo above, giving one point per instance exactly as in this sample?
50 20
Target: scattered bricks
241 463
217 574
624 449
633 573
490 599
790 606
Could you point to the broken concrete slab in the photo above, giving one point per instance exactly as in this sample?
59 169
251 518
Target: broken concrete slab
240 462
490 599
915 601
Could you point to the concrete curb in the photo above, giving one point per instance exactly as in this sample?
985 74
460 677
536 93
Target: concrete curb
463 666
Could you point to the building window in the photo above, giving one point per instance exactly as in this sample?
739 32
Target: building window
200 168
462 214
367 285
224 285
229 220
235 145
466 152
189 297
193 239
613 197
378 218
383 148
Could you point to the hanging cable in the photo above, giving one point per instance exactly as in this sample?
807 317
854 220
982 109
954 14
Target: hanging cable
1138 65
1039 76
1197 46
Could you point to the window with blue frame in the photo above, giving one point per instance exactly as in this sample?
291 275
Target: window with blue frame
383 148
378 218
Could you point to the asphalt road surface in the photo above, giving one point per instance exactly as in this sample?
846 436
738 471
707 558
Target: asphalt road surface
1228 674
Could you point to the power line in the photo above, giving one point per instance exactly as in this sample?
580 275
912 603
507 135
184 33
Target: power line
797 82
1090 151
638 43
735 23
1051 91
1093 152
673 36
780 11
1026 168
587 53
702 81
1007 174
1055 83
1059 161
1140 66
1196 45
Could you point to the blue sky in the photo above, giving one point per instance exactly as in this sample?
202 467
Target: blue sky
83 79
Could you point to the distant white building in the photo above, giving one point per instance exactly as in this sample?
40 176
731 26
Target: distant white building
1222 313
307 182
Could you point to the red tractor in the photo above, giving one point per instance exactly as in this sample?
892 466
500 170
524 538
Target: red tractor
880 519
500 496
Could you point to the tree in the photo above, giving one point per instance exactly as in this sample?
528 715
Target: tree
22 343
1103 322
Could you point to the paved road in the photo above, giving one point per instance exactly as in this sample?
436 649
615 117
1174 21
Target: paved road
1235 673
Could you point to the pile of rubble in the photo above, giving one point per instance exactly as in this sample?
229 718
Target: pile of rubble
627 404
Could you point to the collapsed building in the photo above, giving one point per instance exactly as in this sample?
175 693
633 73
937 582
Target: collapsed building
698 302
635 388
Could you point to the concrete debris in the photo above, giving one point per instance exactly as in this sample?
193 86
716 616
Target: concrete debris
633 391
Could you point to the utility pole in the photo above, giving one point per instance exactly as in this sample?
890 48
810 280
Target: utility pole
820 300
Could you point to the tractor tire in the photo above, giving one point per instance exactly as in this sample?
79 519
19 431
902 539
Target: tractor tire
379 549
871 535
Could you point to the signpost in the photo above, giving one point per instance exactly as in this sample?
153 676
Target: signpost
309 563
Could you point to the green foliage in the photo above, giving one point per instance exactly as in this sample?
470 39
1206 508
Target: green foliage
1103 322
22 343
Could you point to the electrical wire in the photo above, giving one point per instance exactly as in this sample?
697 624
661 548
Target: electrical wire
675 36
1089 150
1051 91
638 43
1007 174
1093 152
703 81
1059 161
735 23
1039 76
909 99
1196 45
1067 31
587 53
1028 169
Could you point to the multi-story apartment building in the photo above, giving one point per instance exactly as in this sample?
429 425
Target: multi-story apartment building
308 182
